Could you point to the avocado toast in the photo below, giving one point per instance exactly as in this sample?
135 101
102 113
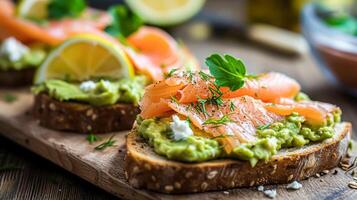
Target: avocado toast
93 83
30 28
199 132
18 62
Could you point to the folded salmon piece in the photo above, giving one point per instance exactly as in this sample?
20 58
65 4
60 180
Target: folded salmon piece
52 33
243 115
190 87
315 112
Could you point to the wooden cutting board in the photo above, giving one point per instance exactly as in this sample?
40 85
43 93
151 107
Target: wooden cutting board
105 168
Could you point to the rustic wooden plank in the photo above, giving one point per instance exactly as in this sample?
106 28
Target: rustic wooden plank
104 169
24 175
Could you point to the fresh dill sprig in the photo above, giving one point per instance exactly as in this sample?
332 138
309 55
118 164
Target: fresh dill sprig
110 142
232 107
91 138
221 121
171 72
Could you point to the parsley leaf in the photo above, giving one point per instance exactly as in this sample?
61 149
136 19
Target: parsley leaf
110 142
124 22
227 71
223 120
58 9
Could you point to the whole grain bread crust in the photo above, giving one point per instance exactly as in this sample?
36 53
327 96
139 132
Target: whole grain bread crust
145 169
83 118
16 78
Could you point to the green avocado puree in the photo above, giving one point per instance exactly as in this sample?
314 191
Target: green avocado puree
291 132
193 149
33 57
96 93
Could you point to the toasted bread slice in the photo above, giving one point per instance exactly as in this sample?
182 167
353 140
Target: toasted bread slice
147 170
16 78
83 118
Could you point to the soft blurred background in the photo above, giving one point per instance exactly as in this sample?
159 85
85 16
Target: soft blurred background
313 43
275 26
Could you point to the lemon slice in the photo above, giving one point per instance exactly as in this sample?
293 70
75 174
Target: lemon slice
165 12
85 57
33 9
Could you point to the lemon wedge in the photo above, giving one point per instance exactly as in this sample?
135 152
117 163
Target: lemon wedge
33 9
85 57
165 12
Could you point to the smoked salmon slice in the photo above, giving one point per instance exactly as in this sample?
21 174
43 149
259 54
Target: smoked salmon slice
190 87
314 112
154 52
248 114
186 88
52 33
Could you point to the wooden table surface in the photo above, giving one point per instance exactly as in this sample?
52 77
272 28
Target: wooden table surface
24 175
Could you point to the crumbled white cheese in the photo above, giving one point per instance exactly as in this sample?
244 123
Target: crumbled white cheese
294 185
106 84
87 86
13 49
260 188
270 193
180 128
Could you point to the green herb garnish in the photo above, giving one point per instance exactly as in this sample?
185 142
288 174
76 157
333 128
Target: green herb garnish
171 72
174 99
223 120
58 9
232 107
262 127
200 106
124 22
9 98
227 71
92 138
110 142
204 76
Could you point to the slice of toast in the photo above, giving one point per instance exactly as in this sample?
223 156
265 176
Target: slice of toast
145 169
16 78
83 118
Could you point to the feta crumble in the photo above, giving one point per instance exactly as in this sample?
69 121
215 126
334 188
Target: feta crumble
13 49
294 185
270 193
260 188
180 128
87 86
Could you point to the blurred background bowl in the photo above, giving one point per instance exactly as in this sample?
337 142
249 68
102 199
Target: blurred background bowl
334 51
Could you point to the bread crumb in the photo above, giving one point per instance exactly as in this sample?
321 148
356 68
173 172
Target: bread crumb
225 192
212 174
270 193
260 188
294 185
169 188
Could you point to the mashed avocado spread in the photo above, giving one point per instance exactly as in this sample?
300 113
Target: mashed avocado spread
96 93
291 132
16 56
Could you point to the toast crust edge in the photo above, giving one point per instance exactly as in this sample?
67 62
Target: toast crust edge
83 118
17 78
145 170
